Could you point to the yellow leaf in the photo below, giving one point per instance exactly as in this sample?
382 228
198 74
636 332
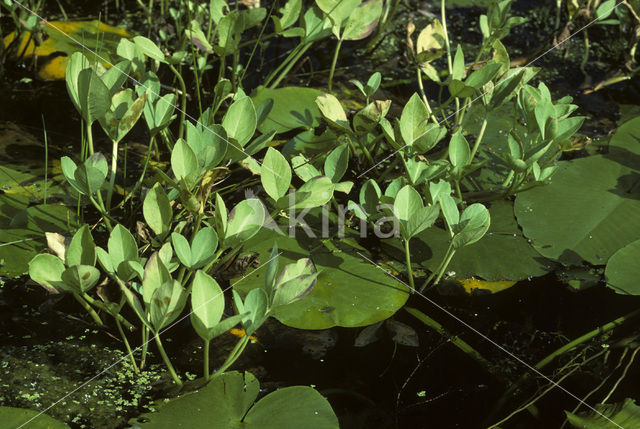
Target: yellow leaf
473 285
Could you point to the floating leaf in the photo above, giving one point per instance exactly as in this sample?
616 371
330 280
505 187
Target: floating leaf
349 290
623 270
228 401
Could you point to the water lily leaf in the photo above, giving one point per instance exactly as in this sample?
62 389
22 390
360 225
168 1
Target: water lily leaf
349 290
590 209
502 254
624 414
293 107
228 401
623 270
16 417
61 36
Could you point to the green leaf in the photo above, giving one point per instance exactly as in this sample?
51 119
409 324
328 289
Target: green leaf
473 225
220 217
207 302
82 249
227 401
295 282
422 219
457 70
256 304
46 270
483 75
623 271
16 417
408 201
502 254
245 220
122 246
275 174
332 111
167 303
363 20
155 275
149 48
338 10
336 163
293 107
290 13
314 193
414 119
349 291
93 96
459 151
157 211
240 120
184 163
182 248
590 209
203 248
81 278
303 168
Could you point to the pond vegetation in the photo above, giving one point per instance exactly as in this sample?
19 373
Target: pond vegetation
320 214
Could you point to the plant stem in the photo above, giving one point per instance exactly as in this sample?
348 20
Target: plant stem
424 96
476 145
206 360
234 355
290 65
407 255
560 351
102 307
333 63
128 347
294 52
456 341
167 362
114 167
145 345
183 88
89 310
444 266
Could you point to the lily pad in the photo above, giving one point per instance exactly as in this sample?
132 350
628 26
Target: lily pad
349 291
293 107
502 254
590 209
623 270
227 402
23 236
15 417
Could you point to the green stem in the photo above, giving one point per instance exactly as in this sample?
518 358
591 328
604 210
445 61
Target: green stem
559 352
444 266
424 96
206 359
89 309
234 355
183 88
104 308
476 145
145 345
366 152
114 167
128 347
456 341
290 65
89 139
333 63
167 362
407 255
294 52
